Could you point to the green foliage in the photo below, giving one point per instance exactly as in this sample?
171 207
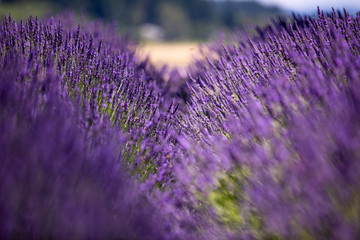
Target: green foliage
226 197
22 10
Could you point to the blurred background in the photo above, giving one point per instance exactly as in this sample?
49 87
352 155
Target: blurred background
175 25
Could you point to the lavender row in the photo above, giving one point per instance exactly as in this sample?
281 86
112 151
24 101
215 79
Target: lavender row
58 179
86 134
101 67
271 141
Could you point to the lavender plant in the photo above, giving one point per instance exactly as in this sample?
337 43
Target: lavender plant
274 118
75 119
57 181
101 67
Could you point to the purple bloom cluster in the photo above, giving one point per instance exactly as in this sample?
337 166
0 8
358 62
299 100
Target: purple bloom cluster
276 118
261 141
81 121
99 67
57 181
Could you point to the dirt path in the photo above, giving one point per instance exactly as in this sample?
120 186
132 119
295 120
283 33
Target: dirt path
172 54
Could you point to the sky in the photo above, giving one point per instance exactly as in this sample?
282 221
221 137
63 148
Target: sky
311 5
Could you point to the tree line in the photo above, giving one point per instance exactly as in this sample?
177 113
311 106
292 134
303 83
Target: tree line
179 18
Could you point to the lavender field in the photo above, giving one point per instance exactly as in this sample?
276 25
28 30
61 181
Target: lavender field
261 140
